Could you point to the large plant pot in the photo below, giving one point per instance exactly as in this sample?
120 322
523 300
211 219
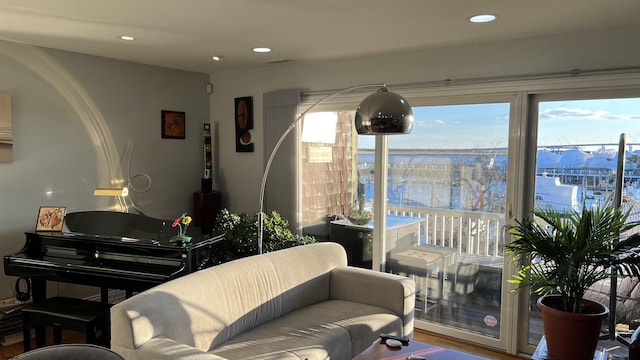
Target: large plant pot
571 336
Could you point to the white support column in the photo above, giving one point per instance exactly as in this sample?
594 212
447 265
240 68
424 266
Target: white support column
380 202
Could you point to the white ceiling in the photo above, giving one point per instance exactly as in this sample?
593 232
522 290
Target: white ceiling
184 34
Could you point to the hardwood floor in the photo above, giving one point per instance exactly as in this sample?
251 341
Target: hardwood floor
451 343
75 337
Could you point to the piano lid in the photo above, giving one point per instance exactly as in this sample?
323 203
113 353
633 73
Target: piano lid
109 223
126 227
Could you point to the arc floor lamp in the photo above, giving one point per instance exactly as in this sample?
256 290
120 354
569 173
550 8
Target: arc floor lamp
381 113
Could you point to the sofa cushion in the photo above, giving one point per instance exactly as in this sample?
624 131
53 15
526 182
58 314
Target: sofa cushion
333 329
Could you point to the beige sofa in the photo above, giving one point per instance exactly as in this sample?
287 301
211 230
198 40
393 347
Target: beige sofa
298 303
627 297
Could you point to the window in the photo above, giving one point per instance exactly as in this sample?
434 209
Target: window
478 157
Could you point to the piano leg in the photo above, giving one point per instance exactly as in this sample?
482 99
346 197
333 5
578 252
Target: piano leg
57 334
26 336
38 289
38 293
40 334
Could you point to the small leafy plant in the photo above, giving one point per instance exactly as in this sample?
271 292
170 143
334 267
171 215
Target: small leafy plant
357 214
241 233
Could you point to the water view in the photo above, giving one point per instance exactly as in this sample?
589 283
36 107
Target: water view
566 178
449 176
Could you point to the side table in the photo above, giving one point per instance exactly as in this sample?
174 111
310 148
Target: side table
380 351
603 351
422 261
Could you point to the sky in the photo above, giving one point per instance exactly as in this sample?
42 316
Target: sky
486 125
589 121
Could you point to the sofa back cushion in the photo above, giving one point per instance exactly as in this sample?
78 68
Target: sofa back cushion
208 307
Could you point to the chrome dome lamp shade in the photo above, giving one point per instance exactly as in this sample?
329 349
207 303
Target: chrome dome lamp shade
384 113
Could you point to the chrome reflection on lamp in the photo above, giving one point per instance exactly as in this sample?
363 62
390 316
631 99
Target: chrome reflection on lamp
384 113
119 192
381 113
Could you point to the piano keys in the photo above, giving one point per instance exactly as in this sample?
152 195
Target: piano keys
109 250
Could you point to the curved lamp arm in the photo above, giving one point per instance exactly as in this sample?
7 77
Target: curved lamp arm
277 146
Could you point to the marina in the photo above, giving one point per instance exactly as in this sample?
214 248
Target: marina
460 196
475 180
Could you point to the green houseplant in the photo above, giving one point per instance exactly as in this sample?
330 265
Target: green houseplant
560 255
241 229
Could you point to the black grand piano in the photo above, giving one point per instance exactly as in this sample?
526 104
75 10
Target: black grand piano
109 250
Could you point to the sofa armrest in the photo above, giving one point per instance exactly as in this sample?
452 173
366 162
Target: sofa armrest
162 348
393 292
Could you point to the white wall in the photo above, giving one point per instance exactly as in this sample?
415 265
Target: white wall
74 117
239 174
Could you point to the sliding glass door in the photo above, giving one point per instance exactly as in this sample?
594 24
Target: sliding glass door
446 197
476 160
578 136
446 189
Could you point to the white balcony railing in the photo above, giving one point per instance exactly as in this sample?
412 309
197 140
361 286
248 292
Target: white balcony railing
470 232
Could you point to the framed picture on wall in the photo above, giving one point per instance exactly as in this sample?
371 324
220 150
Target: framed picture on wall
244 124
50 218
173 124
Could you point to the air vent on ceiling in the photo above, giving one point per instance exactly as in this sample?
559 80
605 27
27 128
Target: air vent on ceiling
279 61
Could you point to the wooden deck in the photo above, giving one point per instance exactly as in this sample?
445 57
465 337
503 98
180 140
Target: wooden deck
473 300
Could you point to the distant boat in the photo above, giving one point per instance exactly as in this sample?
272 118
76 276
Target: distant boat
550 192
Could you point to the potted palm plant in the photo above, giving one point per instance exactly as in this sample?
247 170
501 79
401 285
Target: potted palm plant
559 256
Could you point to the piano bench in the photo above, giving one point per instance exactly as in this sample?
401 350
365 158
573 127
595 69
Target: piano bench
69 314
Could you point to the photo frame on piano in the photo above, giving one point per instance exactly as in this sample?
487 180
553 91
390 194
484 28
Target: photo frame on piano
50 218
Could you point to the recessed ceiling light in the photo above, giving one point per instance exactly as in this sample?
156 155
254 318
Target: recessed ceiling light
216 58
483 18
261 49
126 37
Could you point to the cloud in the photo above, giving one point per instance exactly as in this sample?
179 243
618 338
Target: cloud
428 124
564 113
